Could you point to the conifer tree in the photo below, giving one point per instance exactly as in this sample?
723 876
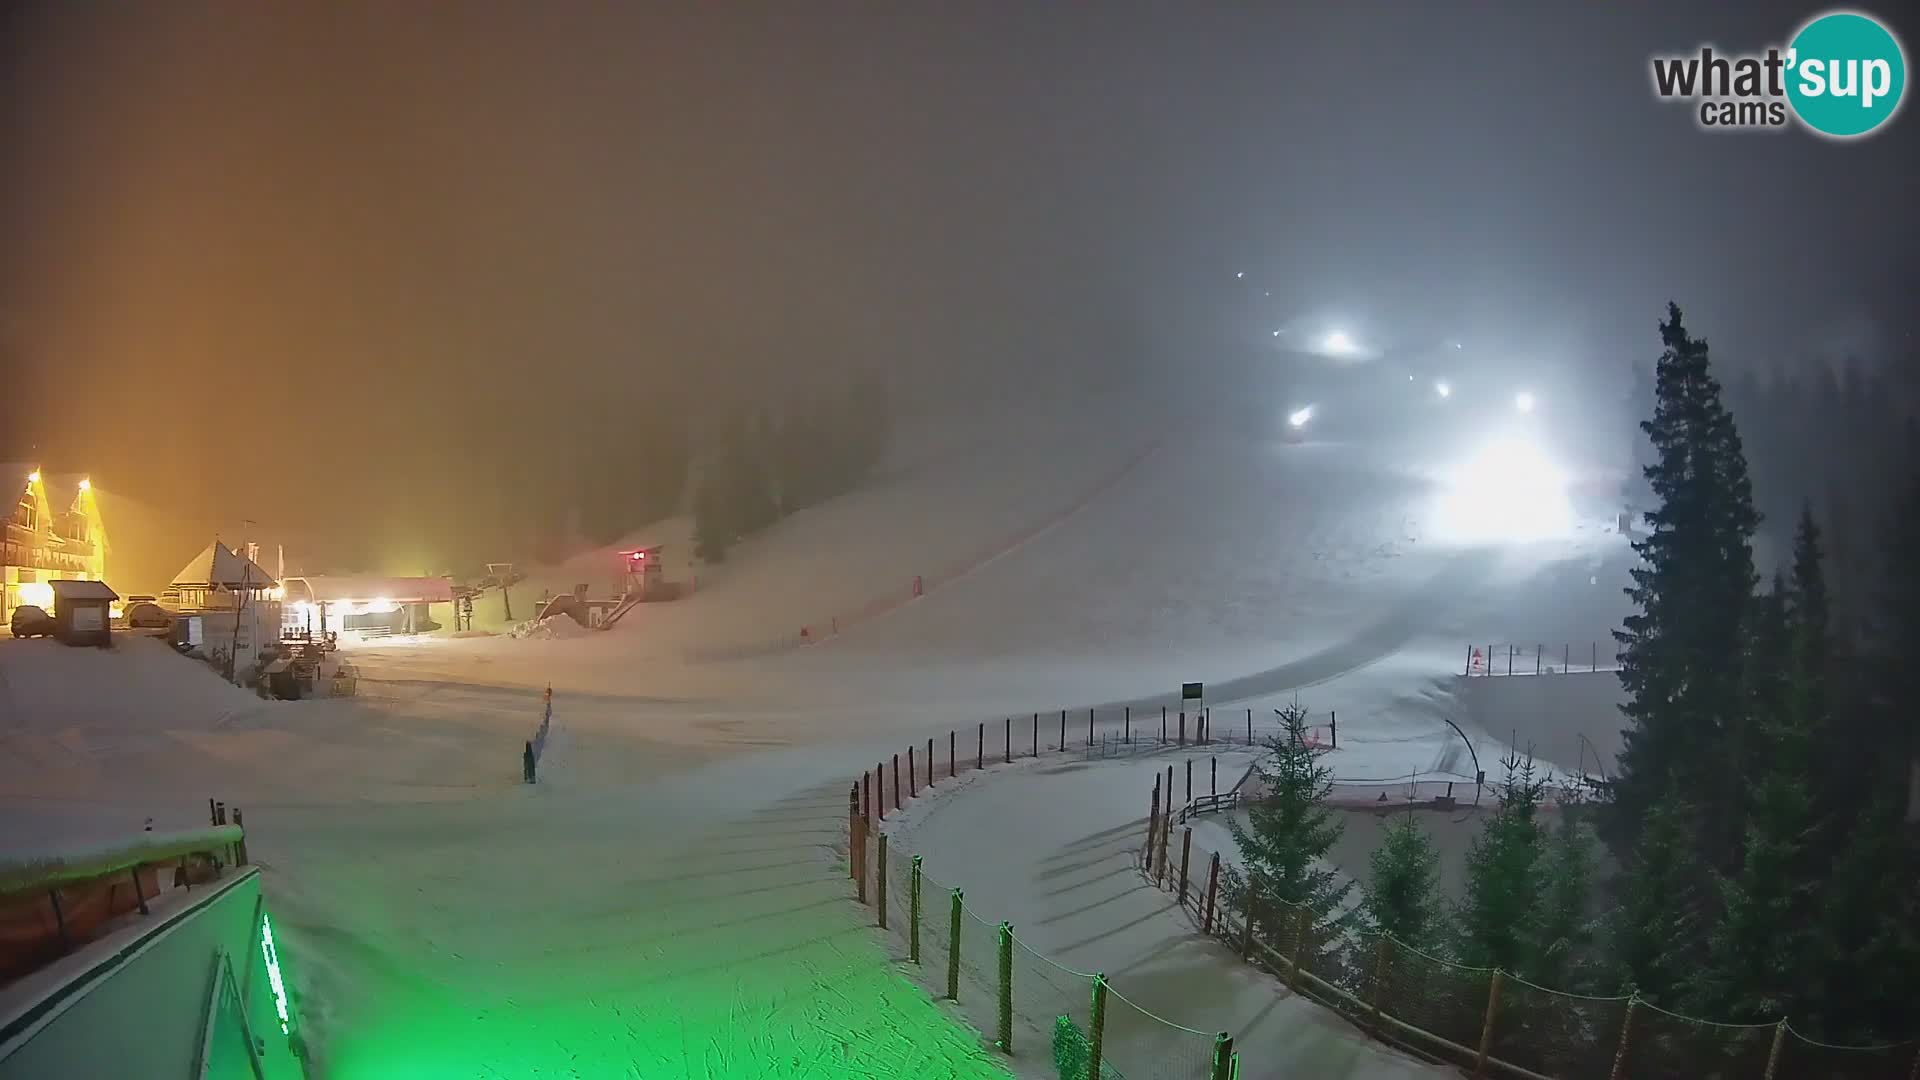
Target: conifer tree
1681 648
1654 931
1403 883
1867 938
1288 833
1499 914
1563 927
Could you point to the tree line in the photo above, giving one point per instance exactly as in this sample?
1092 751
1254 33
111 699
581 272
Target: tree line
1753 856
765 465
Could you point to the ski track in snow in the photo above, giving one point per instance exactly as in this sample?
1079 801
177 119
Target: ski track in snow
671 899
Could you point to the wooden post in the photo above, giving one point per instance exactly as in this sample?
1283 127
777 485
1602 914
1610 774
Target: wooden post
1486 1026
953 948
1626 1035
1126 724
1089 728
1189 800
913 913
1246 919
1163 725
866 795
1183 727
1510 651
1595 664
1036 734
139 893
880 788
1213 887
1536 658
1380 955
213 816
1213 771
1469 670
1009 740
1249 727
1097 1030
1566 654
59 919
853 833
1166 828
896 784
929 762
1300 935
980 748
880 881
857 833
1063 729
1186 855
952 769
1153 824
913 777
240 845
1223 1067
1005 1001
1779 1049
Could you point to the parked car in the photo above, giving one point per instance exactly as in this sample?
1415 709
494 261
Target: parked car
147 615
30 620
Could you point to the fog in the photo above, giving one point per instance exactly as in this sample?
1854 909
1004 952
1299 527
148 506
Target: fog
410 283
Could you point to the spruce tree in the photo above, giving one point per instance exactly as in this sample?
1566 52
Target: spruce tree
1288 833
1654 931
1563 929
1867 937
1403 883
1499 913
1681 649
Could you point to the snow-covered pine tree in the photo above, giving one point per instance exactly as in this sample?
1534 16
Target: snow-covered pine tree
1285 840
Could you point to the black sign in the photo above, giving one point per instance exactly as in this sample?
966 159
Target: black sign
1190 691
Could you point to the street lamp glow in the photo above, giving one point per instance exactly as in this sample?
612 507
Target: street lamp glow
1443 389
1523 401
33 477
86 484
1239 274
1299 417
1338 343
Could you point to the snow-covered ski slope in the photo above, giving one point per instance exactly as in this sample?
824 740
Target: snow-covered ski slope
666 901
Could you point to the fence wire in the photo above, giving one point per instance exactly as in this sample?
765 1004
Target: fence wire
1668 1046
1557 1034
1801 1056
1142 1045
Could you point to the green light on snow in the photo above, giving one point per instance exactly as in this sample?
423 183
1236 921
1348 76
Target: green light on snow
273 970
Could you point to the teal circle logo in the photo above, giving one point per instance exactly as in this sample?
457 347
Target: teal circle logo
1845 74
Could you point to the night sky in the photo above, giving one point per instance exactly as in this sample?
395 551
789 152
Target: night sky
226 227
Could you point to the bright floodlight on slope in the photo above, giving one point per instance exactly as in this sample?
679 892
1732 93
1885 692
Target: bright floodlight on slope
1443 389
1523 401
1338 343
1507 492
1299 417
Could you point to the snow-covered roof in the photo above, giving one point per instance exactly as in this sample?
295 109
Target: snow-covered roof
220 565
81 590
334 588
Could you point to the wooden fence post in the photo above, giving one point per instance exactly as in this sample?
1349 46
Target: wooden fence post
1009 740
929 761
881 881
980 748
896 781
1249 727
1779 1049
1333 728
1126 724
1380 955
1166 827
1626 1035
1300 938
1005 1001
1189 800
1097 1030
1213 886
1186 854
1163 725
853 833
953 770
913 777
913 913
1153 824
953 948
1213 779
880 788
1183 727
1089 728
1036 734
1486 1025
1246 918
1063 730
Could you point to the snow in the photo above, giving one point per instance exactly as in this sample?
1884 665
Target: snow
668 899
20 871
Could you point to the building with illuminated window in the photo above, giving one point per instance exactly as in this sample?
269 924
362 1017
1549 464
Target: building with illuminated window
53 533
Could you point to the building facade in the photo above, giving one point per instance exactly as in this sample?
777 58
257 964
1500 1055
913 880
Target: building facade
53 533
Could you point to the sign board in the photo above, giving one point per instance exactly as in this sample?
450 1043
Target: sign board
88 618
1190 691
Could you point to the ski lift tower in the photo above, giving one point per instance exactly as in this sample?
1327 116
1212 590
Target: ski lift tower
644 571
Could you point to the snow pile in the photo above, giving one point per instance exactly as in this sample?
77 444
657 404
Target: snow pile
47 687
43 869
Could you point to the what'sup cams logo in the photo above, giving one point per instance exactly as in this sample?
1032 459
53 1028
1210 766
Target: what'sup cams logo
1842 75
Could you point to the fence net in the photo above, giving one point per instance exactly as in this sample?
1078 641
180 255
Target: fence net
1142 1045
1667 1046
1555 1033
